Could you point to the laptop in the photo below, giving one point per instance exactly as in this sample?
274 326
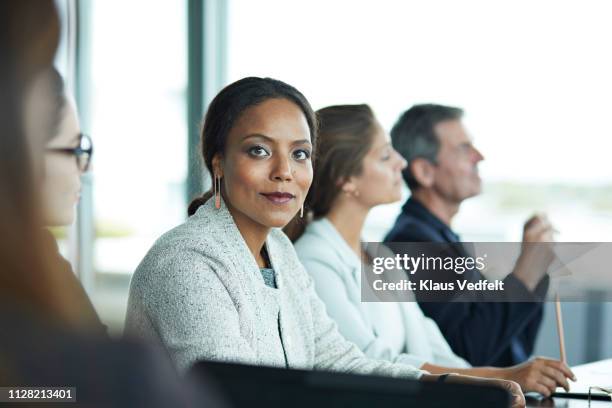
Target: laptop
245 385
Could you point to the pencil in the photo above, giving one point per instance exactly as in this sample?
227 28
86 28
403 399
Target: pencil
560 328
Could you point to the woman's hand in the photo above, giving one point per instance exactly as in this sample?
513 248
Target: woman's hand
540 374
518 399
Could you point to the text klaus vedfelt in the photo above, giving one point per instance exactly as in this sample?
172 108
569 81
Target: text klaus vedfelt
413 264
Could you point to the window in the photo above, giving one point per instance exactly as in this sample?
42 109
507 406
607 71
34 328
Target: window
137 120
533 79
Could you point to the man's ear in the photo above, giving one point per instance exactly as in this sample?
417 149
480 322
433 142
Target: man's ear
217 165
423 172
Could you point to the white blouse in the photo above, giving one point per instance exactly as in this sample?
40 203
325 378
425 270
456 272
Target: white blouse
397 332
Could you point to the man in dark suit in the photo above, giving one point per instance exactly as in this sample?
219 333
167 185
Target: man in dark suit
442 171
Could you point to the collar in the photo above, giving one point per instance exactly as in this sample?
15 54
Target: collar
415 208
223 232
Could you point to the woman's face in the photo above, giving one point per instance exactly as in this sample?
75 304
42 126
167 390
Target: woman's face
267 168
61 183
380 181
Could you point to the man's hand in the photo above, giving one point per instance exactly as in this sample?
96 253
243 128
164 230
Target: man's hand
536 253
538 229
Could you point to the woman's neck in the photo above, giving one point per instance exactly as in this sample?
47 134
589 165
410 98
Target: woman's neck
349 217
254 234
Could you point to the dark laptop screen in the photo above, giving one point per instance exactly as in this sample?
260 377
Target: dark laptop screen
275 387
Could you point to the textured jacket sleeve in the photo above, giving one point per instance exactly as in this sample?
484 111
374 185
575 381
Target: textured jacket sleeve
189 310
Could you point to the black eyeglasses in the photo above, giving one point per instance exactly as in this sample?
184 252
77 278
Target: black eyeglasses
82 152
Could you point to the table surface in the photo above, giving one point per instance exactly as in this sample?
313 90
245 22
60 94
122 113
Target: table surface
568 403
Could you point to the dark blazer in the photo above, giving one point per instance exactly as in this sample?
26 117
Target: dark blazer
484 333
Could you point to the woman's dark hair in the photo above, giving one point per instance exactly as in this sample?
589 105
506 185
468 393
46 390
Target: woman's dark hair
345 137
230 103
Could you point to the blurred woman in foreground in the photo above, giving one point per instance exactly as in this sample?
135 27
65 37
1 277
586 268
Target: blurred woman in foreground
50 333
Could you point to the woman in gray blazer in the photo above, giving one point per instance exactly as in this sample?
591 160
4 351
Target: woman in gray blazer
227 285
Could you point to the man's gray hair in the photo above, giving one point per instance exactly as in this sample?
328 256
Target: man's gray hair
413 134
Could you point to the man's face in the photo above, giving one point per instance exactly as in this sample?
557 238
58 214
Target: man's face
456 173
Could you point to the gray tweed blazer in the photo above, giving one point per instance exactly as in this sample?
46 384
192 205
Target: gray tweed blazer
199 293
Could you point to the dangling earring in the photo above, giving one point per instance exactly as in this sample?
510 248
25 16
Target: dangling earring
217 190
302 211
